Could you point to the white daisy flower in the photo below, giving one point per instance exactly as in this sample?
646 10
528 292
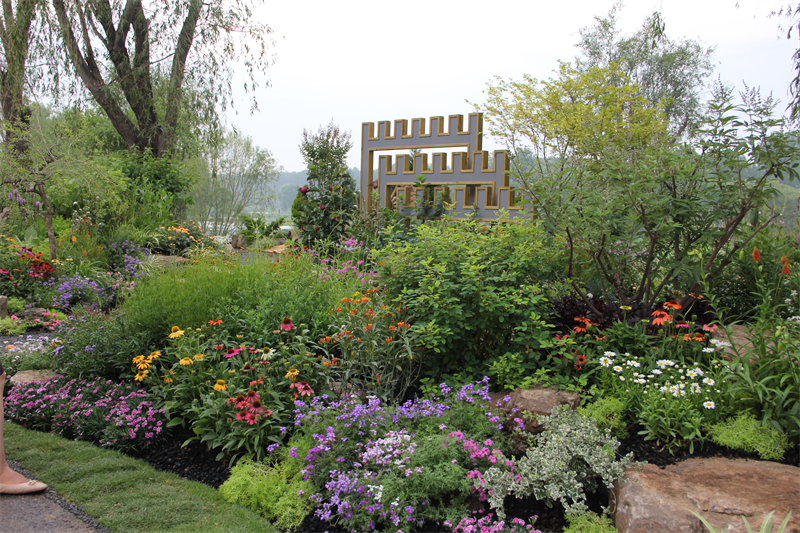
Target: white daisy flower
656 371
692 373
710 382
695 388
610 354
640 381
664 363
708 349
634 364
618 368
709 405
605 361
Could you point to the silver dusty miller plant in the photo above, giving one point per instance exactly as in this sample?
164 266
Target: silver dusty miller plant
567 460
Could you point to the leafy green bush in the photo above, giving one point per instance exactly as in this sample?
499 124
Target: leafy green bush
745 433
589 523
563 464
608 413
472 292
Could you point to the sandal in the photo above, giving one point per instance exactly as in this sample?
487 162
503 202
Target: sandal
27 487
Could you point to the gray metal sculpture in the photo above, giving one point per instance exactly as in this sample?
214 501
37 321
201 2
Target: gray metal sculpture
470 187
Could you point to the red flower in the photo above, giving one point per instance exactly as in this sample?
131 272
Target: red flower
756 255
581 359
287 325
215 322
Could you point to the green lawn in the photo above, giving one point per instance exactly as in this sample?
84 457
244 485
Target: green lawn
124 494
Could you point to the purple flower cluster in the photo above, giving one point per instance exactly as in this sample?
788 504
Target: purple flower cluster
69 291
359 447
112 415
125 259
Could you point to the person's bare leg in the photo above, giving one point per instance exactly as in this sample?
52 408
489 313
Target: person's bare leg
7 476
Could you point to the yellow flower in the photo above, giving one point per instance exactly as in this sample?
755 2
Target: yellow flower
185 361
176 334
155 355
141 375
220 385
138 359
292 373
167 379
175 328
199 357
239 336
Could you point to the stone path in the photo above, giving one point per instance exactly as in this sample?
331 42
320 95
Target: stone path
45 512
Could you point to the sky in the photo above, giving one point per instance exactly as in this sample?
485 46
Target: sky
356 61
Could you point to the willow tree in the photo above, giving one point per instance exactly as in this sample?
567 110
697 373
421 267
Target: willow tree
117 50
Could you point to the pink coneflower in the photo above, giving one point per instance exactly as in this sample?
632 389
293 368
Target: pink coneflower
287 325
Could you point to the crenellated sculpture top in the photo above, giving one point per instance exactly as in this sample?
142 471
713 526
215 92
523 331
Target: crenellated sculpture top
478 189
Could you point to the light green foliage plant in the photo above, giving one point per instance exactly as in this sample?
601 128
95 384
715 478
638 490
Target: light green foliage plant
274 490
608 413
766 526
589 523
15 305
746 433
563 463
472 292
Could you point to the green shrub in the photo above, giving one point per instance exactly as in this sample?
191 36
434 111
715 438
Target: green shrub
745 433
609 414
473 292
589 523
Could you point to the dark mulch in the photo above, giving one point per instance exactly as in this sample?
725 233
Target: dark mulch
194 462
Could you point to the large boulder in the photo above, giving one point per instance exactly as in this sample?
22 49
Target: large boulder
29 376
537 400
723 491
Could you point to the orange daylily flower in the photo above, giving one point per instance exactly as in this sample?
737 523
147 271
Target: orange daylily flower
756 255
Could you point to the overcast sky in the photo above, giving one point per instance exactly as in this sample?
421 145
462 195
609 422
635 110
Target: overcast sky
358 61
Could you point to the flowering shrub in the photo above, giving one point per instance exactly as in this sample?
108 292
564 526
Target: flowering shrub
21 269
175 240
118 416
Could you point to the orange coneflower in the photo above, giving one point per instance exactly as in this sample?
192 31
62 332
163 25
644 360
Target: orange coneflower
672 304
